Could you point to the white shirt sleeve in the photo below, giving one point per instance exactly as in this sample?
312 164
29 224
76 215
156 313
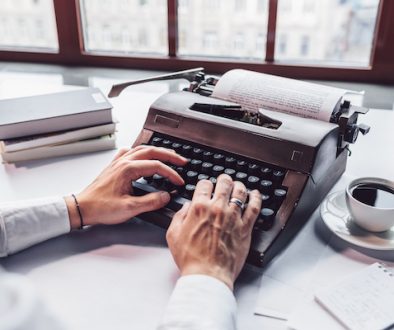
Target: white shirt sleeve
200 302
25 223
21 307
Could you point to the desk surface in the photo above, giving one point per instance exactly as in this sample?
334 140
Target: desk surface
122 276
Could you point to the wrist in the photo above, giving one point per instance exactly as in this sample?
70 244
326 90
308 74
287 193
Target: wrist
73 215
215 271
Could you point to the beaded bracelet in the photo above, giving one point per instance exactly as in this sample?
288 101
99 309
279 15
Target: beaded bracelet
79 211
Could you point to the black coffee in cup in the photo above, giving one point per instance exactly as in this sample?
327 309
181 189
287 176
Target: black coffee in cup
372 194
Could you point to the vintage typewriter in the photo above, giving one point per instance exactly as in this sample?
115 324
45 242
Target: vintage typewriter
294 165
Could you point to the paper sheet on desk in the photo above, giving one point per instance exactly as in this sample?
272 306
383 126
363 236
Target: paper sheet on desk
287 278
332 267
117 287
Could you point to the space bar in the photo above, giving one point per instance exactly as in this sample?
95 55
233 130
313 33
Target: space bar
176 202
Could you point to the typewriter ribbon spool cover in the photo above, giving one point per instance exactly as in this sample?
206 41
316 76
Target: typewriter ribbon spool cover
287 138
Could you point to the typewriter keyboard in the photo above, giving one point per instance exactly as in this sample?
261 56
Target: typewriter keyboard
208 163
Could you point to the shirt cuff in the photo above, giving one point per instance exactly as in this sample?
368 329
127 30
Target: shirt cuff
200 302
25 223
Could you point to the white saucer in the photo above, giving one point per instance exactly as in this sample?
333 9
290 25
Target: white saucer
336 216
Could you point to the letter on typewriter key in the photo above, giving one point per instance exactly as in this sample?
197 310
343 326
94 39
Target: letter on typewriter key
217 170
253 169
207 156
186 150
206 168
230 172
266 173
157 141
189 190
277 177
191 177
166 143
265 186
230 162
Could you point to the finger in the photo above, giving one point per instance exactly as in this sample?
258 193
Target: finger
252 210
135 149
177 221
162 154
121 152
139 168
174 230
223 188
150 202
203 191
239 192
182 213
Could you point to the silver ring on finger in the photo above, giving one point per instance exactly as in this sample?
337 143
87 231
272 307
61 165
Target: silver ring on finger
238 202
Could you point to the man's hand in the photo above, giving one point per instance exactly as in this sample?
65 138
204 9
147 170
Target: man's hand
212 236
109 198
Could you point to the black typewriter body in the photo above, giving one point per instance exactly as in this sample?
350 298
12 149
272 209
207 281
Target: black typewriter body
302 160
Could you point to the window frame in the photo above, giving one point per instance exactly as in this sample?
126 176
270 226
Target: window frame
71 50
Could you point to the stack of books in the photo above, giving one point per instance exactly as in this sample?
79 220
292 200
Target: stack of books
57 124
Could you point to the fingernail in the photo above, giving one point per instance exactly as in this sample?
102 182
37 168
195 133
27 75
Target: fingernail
165 197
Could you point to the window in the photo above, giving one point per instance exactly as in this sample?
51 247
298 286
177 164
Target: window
124 27
221 26
27 25
304 49
325 39
337 32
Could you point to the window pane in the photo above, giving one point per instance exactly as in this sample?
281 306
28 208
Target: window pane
125 26
28 24
223 28
326 31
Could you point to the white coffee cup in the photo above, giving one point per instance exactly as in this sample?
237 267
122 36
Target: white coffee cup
373 211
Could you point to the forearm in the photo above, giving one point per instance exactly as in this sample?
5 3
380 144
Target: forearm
25 223
200 302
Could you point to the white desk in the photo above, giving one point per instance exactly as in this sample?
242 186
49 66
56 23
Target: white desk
120 277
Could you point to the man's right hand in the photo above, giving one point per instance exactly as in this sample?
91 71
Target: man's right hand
211 235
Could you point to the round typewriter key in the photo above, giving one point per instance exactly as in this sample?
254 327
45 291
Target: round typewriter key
157 180
207 156
180 170
186 150
241 176
203 177
156 141
265 173
230 172
279 195
177 147
253 182
265 198
206 167
213 180
277 176
191 177
253 169
266 219
230 162
189 190
166 143
265 186
217 170
195 164
197 152
241 165
218 159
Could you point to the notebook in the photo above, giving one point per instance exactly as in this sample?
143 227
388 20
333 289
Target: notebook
364 301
